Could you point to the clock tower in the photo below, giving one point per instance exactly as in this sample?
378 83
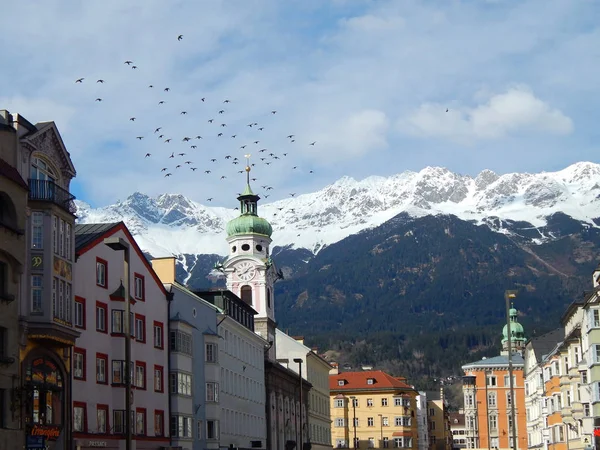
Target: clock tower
249 269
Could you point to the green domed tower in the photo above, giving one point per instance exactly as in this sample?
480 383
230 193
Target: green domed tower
518 339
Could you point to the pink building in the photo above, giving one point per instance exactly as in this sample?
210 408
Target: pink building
99 353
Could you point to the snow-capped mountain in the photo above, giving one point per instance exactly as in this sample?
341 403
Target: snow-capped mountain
174 224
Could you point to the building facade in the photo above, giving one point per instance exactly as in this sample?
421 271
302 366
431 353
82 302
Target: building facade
242 393
438 422
488 398
422 422
99 369
316 371
372 409
194 368
40 403
13 251
458 430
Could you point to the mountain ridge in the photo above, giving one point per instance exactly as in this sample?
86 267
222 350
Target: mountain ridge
347 206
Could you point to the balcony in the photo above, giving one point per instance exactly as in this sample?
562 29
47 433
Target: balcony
49 191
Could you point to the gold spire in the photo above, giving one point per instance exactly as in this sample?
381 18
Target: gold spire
247 156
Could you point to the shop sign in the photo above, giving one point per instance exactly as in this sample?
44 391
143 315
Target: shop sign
35 442
97 444
50 432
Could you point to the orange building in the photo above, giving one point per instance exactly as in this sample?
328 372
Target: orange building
488 397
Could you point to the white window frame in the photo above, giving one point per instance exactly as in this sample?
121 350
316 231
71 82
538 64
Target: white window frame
212 392
37 230
78 365
211 353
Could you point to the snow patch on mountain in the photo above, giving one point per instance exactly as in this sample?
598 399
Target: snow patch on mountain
173 224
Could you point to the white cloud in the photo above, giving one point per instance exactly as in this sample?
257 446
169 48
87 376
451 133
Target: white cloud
515 111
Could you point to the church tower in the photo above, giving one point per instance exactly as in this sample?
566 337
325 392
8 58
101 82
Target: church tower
249 270
517 339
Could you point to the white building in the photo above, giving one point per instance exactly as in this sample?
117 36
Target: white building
422 427
316 371
99 355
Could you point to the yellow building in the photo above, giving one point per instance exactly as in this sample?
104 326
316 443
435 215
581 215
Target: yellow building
372 409
438 421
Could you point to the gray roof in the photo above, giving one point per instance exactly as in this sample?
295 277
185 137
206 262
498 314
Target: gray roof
544 344
86 233
502 360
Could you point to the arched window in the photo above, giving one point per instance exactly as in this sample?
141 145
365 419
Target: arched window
41 170
246 294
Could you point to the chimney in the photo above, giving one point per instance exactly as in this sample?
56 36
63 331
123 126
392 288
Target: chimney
5 117
164 268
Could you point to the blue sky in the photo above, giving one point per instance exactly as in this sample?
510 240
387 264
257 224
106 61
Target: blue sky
369 81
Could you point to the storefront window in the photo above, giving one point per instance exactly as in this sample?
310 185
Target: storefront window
44 387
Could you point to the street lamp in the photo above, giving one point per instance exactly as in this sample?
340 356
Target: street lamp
118 244
299 361
353 398
508 295
381 426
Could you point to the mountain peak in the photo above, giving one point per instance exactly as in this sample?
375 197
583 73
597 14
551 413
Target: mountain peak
173 223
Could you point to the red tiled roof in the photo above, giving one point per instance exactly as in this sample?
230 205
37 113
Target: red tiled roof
358 380
12 173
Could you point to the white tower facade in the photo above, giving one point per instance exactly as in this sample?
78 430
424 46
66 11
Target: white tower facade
249 269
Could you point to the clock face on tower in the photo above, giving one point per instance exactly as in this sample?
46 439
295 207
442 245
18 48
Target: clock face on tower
245 271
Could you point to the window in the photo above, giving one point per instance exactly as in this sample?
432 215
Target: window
212 392
61 237
79 363
140 328
36 293
507 381
586 410
508 399
340 382
102 418
117 325
491 380
356 422
101 368
584 377
79 417
158 334
118 371
386 442
369 402
140 421
595 318
397 401
469 400
181 342
140 375
493 422
385 422
568 395
596 353
119 421
79 312
384 402
68 241
159 422
55 234
370 380
181 426
212 429
101 317
139 287
370 422
339 422
371 442
158 378
398 421
355 402
338 403
101 272
181 383
492 399
211 353
37 230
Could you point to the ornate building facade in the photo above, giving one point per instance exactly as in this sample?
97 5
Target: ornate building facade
41 403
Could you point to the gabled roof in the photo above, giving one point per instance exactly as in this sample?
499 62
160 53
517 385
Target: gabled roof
44 127
544 344
359 380
502 360
87 236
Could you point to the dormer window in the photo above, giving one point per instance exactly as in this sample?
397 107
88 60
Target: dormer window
341 382
370 380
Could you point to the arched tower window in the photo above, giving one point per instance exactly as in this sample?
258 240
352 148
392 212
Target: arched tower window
268 298
246 294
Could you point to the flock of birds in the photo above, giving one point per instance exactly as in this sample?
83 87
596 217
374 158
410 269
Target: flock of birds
194 155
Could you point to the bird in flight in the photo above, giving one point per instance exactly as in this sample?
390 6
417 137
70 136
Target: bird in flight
220 134
292 194
223 125
163 169
211 120
168 175
207 171
273 112
243 146
198 137
256 142
129 63
147 154
188 162
226 101
178 166
168 140
98 99
193 146
181 154
194 169
180 37
313 143
99 81
134 67
203 98
160 136
184 112
133 119
167 89
209 199
79 80
290 136
213 160
140 137
150 86
223 177
172 155
228 157
262 150
158 129
185 139
221 111
233 135
161 102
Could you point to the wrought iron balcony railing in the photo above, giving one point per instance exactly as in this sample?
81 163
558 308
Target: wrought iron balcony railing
49 191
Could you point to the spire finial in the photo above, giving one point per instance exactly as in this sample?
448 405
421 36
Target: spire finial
247 156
